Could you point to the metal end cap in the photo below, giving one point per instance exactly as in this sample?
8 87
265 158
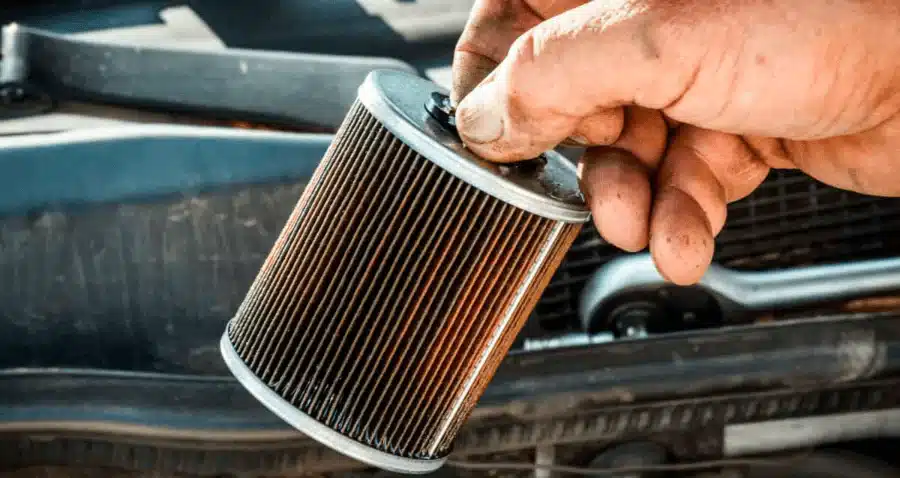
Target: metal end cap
314 429
550 189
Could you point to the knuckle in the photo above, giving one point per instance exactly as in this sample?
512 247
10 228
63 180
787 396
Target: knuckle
531 102
521 61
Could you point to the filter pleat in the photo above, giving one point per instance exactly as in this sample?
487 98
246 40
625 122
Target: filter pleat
414 353
335 255
466 349
295 231
421 257
363 323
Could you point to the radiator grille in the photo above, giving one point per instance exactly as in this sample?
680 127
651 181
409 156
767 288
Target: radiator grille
392 294
790 220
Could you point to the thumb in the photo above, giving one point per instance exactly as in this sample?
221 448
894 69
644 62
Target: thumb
588 59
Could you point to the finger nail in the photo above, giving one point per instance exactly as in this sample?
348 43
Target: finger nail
479 117
576 140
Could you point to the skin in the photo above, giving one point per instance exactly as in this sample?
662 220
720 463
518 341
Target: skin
685 105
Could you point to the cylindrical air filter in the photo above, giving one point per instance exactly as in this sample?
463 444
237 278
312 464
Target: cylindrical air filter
400 280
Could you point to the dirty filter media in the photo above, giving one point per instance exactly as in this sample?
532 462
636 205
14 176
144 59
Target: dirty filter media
400 280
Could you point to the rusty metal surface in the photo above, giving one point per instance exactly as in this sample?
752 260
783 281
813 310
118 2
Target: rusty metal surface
389 331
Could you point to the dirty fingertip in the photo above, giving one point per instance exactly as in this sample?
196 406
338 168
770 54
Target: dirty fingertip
617 190
681 240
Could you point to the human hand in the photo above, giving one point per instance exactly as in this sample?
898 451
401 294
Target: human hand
685 104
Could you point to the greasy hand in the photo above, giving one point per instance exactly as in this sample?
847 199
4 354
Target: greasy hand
686 104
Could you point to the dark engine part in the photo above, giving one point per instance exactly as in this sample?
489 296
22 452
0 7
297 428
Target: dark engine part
629 297
631 455
818 464
790 221
235 84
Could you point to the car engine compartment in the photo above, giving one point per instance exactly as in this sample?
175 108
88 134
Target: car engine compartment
133 218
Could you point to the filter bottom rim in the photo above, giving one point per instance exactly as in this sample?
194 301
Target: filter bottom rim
313 428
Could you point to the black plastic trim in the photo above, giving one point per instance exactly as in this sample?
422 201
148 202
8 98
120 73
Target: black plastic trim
802 354
277 87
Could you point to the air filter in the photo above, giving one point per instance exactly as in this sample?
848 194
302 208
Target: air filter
400 280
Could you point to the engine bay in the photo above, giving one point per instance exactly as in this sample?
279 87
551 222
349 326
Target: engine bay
134 217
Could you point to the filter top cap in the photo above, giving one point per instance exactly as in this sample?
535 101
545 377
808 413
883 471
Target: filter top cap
546 186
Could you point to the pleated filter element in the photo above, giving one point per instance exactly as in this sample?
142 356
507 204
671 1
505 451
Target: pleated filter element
400 280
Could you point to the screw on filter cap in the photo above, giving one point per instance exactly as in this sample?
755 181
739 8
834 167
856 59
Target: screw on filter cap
442 110
549 175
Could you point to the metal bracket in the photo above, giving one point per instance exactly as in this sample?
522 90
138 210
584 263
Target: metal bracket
737 292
